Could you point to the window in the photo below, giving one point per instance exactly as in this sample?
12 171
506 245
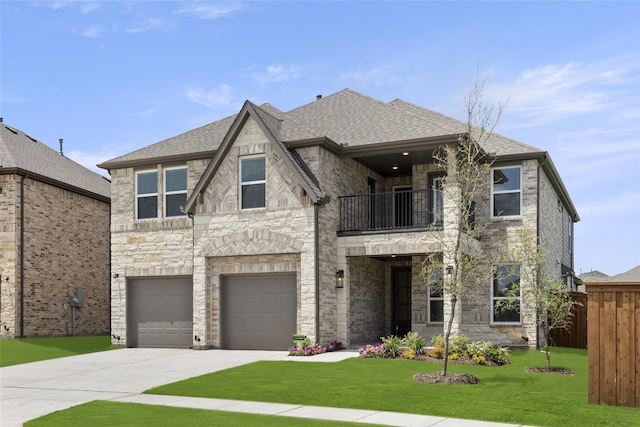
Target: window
506 285
506 192
147 195
175 191
252 182
436 202
436 298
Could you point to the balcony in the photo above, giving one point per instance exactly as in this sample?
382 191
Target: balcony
395 211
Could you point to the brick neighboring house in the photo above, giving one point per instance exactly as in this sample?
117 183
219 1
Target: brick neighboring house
317 220
54 238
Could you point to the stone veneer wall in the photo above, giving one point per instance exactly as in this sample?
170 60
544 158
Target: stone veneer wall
475 320
550 223
282 230
66 238
8 255
155 247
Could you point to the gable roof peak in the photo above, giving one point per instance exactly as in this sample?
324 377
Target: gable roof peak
271 126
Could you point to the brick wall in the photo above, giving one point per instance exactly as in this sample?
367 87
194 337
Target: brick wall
367 301
66 238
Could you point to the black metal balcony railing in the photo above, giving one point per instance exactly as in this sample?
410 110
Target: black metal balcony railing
396 210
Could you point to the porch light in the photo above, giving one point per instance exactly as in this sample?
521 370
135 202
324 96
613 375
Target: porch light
394 167
405 153
340 279
449 270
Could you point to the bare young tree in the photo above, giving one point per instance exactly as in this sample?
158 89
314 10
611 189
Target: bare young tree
461 270
542 293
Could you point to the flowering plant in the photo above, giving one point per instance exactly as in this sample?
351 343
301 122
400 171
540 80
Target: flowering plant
306 349
372 351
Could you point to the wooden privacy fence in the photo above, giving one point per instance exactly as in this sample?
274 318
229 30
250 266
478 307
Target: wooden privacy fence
576 335
614 343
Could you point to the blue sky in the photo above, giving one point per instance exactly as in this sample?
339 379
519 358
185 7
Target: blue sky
111 77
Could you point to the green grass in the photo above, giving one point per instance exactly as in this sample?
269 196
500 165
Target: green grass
504 394
24 350
101 413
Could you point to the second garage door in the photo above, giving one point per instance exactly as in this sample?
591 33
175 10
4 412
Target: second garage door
258 312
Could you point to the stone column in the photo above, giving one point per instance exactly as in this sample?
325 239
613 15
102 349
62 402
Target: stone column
450 247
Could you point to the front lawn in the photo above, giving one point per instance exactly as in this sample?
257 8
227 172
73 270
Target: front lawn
101 413
24 350
504 394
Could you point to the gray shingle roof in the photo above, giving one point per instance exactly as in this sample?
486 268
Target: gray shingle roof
20 152
199 142
496 143
350 118
631 276
346 117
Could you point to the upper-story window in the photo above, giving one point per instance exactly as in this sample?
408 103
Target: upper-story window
506 286
436 201
146 194
175 191
506 192
252 182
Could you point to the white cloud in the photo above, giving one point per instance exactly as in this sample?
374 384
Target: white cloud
210 10
278 74
148 24
219 96
82 6
617 204
89 7
90 160
93 31
377 77
550 93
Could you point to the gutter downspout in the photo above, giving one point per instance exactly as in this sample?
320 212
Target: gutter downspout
316 238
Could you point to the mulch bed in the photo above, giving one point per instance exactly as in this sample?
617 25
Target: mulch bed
560 371
450 378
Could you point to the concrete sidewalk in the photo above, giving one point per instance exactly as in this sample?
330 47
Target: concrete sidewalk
32 390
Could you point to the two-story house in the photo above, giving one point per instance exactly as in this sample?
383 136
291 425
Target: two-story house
54 241
249 229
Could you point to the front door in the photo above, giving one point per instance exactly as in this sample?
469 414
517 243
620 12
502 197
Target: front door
401 300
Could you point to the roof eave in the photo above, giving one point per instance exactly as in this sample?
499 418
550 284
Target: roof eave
389 147
322 141
152 161
44 179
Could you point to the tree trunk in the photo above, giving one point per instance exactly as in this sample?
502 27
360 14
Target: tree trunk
447 334
545 327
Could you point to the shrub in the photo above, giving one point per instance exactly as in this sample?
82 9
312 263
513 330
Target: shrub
409 354
391 346
437 352
457 344
483 352
415 342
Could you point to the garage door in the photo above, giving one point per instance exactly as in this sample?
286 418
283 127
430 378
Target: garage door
160 313
258 312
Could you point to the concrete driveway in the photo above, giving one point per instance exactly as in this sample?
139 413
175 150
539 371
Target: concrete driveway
31 390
